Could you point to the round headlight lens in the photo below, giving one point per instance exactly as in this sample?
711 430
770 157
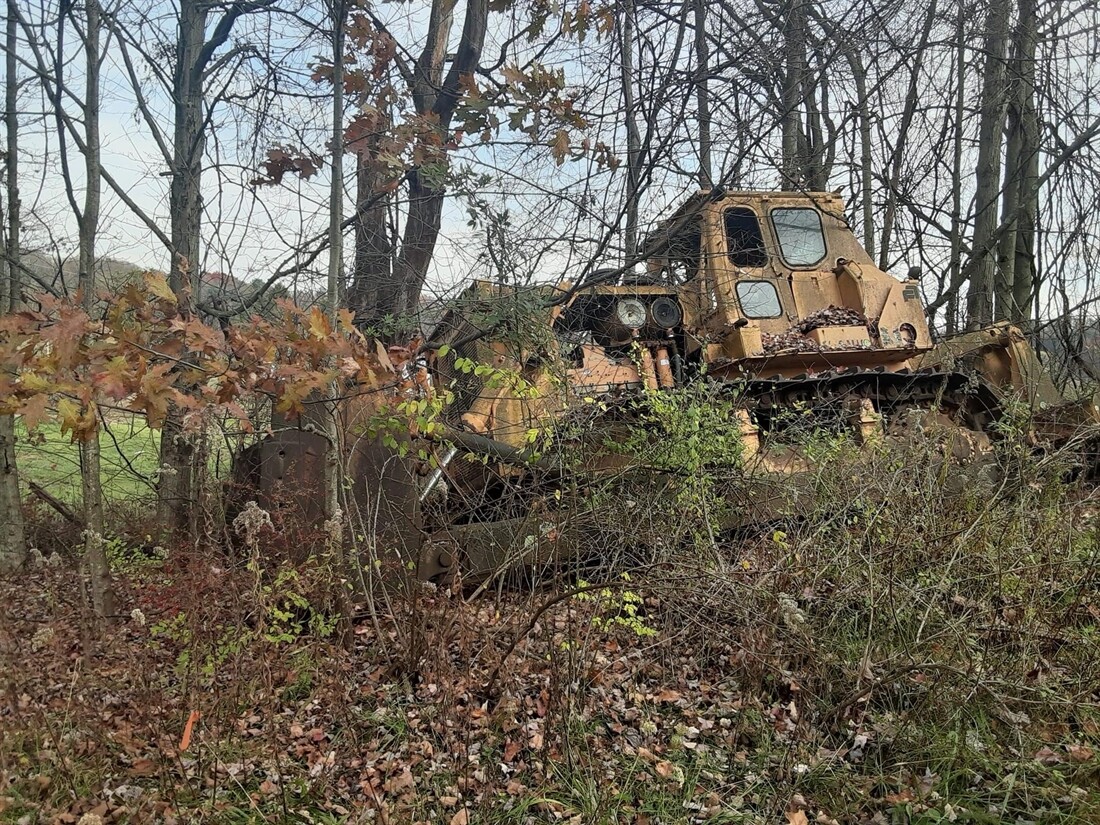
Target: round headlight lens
630 312
666 313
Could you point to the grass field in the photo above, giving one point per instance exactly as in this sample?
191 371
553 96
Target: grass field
129 460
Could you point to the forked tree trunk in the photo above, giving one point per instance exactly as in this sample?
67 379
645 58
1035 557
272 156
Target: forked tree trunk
979 304
816 164
176 488
1013 287
434 96
794 37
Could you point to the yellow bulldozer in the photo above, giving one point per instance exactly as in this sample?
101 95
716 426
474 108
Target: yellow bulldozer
766 294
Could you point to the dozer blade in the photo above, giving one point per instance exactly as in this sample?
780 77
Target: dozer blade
286 472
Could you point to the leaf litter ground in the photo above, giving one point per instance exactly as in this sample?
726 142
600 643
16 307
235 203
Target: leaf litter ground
184 711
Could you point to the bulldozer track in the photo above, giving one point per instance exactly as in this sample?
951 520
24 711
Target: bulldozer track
958 394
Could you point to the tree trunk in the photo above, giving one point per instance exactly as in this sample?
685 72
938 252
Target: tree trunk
955 268
979 304
11 122
794 36
702 94
177 450
1019 80
417 246
816 164
97 570
372 283
334 476
188 146
13 544
335 246
434 96
1025 273
866 170
633 138
1016 246
1003 294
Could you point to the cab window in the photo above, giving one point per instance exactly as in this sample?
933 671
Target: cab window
758 299
801 238
744 240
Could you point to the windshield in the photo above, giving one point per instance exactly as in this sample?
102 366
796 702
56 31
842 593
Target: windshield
801 239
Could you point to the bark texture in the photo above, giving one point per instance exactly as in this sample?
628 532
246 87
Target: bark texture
334 475
979 305
1015 251
97 570
13 544
633 138
177 449
193 54
11 124
372 283
794 35
702 94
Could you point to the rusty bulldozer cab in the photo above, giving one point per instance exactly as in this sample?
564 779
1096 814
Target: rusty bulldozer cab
754 266
767 291
767 294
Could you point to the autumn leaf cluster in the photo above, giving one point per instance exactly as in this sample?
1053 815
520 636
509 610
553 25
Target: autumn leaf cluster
141 353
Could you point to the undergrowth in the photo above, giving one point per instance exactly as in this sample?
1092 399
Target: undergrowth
905 641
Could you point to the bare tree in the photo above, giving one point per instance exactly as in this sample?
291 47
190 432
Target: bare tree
702 70
96 567
794 85
1016 251
13 545
333 477
912 101
980 295
627 81
195 53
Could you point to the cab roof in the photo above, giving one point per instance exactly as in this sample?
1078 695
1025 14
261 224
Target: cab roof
658 240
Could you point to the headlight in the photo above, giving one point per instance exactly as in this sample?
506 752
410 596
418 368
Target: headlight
665 312
630 312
